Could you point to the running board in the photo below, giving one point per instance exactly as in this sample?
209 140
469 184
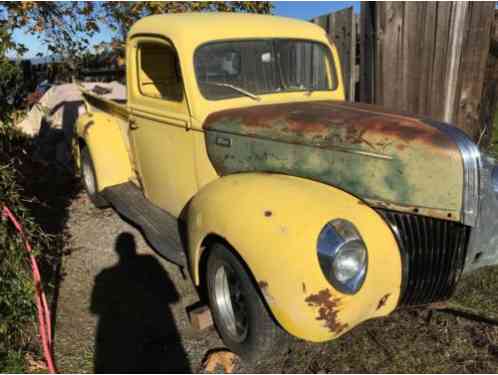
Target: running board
160 228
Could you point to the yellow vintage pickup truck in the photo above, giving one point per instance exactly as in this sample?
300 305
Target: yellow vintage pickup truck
297 212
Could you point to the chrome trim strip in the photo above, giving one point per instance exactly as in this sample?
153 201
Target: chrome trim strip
471 158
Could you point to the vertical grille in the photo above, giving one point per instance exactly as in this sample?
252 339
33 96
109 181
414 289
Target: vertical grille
433 253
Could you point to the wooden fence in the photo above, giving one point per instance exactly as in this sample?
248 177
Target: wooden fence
489 102
341 26
429 58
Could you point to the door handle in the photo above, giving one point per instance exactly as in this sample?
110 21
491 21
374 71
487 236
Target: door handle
132 124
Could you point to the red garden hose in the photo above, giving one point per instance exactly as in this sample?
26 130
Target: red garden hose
44 322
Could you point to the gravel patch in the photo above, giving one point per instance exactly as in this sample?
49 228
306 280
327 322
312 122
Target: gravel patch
122 307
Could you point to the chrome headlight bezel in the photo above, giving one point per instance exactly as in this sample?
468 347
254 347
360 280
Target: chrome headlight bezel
336 237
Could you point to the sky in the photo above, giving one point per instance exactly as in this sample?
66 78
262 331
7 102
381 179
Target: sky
304 10
307 10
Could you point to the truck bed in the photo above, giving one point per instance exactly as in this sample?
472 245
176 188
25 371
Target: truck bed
117 112
96 103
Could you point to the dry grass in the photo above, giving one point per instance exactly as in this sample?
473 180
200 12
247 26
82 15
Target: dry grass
415 340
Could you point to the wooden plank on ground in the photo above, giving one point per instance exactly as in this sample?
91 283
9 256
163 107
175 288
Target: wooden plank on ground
201 318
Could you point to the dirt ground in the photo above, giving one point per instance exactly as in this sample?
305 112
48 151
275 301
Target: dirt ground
121 308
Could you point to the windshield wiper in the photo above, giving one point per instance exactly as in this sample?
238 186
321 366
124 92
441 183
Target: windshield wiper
236 88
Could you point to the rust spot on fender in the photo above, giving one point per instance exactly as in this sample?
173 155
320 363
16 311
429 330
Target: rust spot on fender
265 291
87 127
328 308
383 301
263 284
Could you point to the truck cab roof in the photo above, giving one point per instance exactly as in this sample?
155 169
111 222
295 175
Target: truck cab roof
198 28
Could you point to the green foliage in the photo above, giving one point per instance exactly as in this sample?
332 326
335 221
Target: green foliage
493 146
9 78
12 362
10 87
17 309
121 15
66 28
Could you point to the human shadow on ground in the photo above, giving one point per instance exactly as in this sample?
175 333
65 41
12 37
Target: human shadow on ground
136 331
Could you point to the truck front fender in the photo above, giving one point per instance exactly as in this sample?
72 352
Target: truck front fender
103 136
273 221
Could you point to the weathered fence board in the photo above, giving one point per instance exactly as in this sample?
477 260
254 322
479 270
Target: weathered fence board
341 28
428 58
473 68
367 52
434 98
489 101
343 31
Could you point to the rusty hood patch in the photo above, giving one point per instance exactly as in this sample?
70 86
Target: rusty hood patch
328 309
329 124
390 159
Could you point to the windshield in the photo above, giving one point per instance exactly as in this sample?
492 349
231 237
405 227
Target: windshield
253 67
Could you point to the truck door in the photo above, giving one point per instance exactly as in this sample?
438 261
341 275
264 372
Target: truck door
159 120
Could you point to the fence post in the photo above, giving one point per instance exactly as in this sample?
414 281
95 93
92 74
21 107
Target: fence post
367 52
455 47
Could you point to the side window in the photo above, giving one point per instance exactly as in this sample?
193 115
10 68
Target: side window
159 72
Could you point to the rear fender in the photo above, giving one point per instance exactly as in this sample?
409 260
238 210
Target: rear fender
103 136
273 222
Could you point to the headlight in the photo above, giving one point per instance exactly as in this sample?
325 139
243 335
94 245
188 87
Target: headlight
342 255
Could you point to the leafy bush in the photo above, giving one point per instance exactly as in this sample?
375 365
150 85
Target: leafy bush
17 309
11 84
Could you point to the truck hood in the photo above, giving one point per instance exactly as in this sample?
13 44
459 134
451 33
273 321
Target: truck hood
390 160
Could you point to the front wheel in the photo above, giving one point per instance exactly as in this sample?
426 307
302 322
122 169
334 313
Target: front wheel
239 313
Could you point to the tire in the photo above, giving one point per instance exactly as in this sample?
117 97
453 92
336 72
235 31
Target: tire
90 180
244 323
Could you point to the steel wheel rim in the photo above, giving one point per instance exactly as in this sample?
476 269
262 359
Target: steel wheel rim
230 303
88 176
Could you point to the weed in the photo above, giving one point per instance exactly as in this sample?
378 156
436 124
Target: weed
493 147
12 362
17 309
